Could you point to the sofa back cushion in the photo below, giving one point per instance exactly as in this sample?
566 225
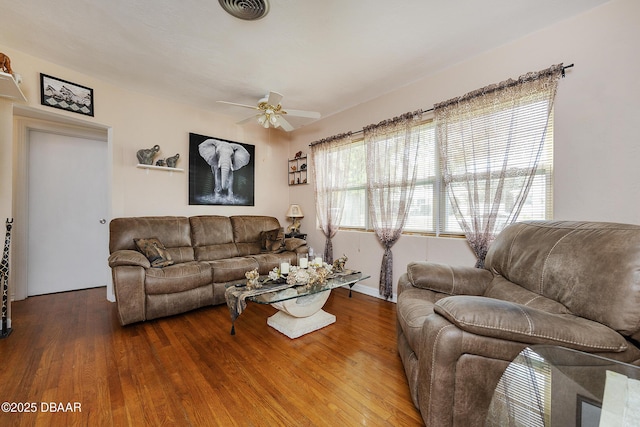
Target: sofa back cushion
212 237
592 268
247 232
172 231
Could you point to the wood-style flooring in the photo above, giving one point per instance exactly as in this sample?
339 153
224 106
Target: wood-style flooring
68 351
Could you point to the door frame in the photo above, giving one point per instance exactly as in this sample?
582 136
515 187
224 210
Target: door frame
25 120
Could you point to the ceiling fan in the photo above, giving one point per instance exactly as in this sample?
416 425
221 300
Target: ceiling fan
271 114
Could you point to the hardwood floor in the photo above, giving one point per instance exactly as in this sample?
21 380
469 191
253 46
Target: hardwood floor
187 370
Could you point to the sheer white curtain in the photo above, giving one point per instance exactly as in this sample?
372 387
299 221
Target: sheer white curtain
392 157
490 143
331 159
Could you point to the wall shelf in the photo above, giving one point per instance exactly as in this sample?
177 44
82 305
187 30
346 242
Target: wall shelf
10 89
297 169
163 168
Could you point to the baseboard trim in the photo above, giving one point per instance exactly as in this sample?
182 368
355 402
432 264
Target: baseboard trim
367 290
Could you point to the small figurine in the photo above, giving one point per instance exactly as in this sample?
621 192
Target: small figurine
5 64
294 168
298 154
160 162
338 265
303 167
145 155
171 161
253 281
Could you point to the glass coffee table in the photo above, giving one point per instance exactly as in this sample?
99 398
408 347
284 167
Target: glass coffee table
556 386
299 307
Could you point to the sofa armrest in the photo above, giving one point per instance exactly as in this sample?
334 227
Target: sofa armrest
293 244
128 284
128 257
506 320
447 279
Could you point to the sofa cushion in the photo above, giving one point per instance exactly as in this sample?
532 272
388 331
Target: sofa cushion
212 237
233 269
448 279
502 289
272 240
514 322
592 268
155 251
247 231
181 254
177 278
268 261
172 231
293 243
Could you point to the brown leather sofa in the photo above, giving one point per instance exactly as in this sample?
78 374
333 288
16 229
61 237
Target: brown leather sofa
206 253
571 284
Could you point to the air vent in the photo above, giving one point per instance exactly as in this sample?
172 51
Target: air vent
249 10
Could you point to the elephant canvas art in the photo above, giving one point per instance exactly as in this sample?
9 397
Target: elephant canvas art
221 172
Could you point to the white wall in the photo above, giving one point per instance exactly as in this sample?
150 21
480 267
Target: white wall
596 152
139 121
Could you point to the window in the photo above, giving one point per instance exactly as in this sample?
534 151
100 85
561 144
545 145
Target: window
355 205
430 210
504 142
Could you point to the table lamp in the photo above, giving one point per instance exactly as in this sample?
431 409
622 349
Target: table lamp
295 213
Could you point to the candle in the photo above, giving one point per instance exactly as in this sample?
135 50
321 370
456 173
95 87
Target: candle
284 268
303 262
318 260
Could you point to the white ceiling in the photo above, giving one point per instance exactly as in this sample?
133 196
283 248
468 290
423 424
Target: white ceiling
323 56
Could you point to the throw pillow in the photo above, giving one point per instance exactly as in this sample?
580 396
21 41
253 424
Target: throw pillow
155 251
273 240
292 243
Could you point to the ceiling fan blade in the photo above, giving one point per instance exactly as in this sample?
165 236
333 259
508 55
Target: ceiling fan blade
303 113
248 119
253 107
284 124
274 98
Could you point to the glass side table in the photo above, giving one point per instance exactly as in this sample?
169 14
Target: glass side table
557 386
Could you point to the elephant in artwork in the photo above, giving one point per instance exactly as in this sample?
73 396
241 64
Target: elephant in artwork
224 158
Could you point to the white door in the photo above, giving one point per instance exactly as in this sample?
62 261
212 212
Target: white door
67 243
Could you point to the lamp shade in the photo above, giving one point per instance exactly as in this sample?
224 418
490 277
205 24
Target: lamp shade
294 212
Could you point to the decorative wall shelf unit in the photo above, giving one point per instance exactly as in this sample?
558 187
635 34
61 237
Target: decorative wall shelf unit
10 89
297 169
162 168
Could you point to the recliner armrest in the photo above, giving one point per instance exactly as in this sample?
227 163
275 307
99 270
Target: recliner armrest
128 257
447 279
506 320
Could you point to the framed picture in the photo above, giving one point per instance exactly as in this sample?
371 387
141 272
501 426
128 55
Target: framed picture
221 172
58 93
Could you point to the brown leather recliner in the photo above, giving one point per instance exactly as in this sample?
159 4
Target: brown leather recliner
571 284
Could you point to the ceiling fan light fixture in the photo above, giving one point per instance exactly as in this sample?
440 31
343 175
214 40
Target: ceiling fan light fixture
271 114
249 10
